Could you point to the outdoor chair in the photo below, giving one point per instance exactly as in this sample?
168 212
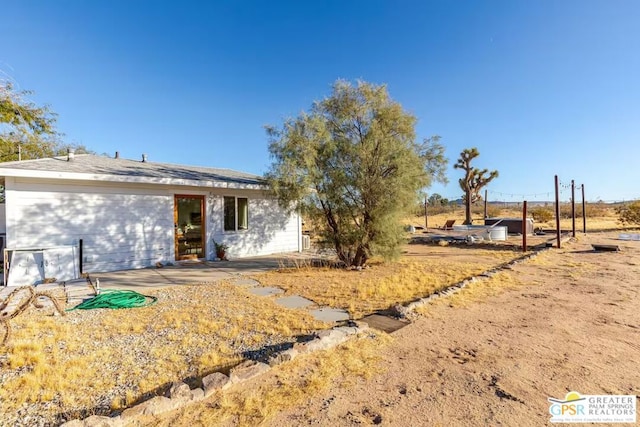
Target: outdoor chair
449 224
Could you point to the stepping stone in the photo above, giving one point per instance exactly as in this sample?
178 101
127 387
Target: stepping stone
328 314
266 291
383 323
250 283
294 301
606 248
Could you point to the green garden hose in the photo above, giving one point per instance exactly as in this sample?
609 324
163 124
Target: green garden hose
110 298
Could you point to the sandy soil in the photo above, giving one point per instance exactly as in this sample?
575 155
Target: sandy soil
572 324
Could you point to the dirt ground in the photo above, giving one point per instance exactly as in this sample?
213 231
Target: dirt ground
572 324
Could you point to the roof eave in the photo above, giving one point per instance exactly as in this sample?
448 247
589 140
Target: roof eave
30 173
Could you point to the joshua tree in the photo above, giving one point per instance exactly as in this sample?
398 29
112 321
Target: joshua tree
474 179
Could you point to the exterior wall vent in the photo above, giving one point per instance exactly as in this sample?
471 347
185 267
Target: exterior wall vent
306 242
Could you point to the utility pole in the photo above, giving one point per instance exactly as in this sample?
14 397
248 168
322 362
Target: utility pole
485 204
426 214
573 209
584 213
524 226
557 212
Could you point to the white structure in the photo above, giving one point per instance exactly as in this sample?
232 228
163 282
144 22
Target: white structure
133 214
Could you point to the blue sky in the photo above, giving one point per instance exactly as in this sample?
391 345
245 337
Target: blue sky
540 87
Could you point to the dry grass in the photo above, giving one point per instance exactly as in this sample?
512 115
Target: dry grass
421 271
110 358
285 386
476 291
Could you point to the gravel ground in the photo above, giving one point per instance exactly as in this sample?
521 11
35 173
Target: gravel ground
97 361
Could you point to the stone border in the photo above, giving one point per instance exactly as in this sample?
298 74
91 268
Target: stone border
404 311
180 395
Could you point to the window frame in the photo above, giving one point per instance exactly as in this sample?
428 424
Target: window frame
236 216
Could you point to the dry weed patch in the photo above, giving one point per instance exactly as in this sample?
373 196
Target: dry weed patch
100 360
286 386
420 272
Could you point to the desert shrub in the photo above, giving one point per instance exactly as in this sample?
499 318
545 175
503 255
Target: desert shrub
593 210
434 209
493 211
565 211
438 209
477 209
542 214
630 214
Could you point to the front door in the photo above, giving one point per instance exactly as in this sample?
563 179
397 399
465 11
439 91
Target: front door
189 227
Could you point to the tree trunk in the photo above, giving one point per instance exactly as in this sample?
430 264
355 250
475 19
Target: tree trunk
467 213
360 258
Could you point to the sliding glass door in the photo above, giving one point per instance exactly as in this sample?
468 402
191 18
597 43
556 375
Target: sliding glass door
189 221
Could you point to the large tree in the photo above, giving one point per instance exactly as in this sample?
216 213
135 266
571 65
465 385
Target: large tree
25 127
352 164
473 181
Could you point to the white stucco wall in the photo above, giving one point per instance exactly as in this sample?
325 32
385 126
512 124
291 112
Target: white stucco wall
121 227
127 226
270 231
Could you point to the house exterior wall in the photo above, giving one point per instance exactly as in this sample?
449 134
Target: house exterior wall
271 230
126 226
121 227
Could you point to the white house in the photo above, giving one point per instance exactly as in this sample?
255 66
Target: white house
94 213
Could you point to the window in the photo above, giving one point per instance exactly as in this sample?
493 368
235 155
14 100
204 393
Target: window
243 213
236 213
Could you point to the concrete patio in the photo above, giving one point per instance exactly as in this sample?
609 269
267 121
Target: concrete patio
194 272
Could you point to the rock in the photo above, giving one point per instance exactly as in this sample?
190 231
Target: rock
196 394
412 306
73 423
95 421
180 394
215 381
179 390
283 356
329 339
247 370
399 310
154 406
347 330
360 325
101 421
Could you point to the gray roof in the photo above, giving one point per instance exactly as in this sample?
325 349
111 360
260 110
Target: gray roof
93 164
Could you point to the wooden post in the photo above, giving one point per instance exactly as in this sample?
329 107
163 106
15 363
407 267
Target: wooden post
426 214
557 212
19 152
485 204
584 212
80 255
573 209
5 265
524 226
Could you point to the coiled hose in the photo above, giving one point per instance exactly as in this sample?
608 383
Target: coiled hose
115 299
